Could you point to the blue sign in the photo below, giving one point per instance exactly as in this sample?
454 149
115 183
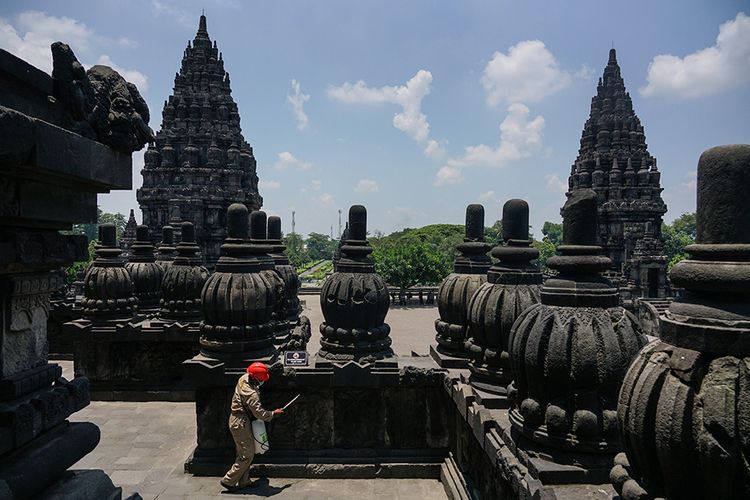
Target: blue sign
295 358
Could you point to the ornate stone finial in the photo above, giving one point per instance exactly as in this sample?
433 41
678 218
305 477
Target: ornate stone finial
683 406
570 353
355 301
108 289
183 280
469 273
238 300
262 249
513 286
288 273
145 272
166 252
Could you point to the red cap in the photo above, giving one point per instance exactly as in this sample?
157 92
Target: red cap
258 371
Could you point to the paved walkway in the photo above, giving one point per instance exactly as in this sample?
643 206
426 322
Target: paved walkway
144 445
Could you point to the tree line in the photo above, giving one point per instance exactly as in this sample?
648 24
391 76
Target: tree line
415 256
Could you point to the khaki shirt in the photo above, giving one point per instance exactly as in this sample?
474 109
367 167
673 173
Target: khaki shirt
246 400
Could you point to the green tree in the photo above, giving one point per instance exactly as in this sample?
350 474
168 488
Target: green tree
91 230
493 233
552 232
295 249
408 263
320 246
677 235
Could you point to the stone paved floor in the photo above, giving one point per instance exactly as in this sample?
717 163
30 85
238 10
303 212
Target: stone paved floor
144 445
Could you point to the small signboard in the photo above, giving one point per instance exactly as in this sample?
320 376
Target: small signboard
295 358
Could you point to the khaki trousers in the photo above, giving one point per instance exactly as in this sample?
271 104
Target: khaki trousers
239 426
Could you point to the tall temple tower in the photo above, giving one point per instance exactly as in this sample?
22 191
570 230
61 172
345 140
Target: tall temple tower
614 161
200 163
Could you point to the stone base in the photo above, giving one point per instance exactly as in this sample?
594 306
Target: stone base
454 481
505 465
446 360
388 412
27 471
136 361
490 400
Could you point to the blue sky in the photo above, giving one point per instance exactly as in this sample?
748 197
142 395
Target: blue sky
416 109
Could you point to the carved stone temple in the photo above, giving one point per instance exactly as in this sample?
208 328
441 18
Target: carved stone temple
684 408
614 161
569 355
61 144
200 163
455 292
512 286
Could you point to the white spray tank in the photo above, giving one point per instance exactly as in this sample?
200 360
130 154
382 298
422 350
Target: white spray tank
260 437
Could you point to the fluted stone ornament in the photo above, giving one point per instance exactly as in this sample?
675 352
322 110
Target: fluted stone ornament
145 272
108 288
291 306
684 408
238 300
513 285
165 252
569 353
183 281
469 273
262 249
355 301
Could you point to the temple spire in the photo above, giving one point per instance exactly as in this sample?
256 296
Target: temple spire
202 30
612 56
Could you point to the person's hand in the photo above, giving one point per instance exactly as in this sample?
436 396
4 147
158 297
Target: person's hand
277 412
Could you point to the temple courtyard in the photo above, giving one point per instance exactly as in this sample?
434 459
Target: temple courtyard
144 444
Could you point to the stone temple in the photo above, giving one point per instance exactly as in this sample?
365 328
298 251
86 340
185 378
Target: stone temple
200 163
614 161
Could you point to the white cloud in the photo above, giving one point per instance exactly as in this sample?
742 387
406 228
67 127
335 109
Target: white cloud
326 200
268 184
555 184
33 32
174 13
133 76
288 160
409 96
316 185
527 73
366 185
297 101
724 65
585 72
404 216
519 138
488 196
447 176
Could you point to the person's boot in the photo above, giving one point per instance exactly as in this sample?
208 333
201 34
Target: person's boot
230 487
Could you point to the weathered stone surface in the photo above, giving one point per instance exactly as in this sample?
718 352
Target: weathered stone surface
183 281
200 162
290 303
455 292
355 301
614 161
108 288
261 248
102 104
684 407
239 302
569 354
513 286
146 274
166 252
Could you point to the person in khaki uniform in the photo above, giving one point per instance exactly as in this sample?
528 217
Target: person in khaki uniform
246 405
